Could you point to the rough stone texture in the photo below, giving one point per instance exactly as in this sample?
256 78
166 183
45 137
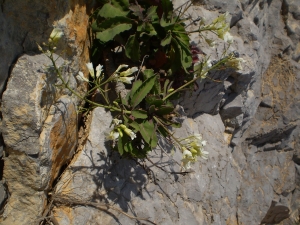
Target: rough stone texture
40 134
25 23
250 120
164 198
251 123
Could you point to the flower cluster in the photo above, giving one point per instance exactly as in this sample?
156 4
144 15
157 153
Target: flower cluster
235 63
221 28
118 131
124 76
99 70
192 148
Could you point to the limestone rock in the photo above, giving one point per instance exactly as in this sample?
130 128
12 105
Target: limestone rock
40 133
23 23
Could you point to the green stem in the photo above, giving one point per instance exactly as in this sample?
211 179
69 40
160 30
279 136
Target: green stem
111 108
167 130
193 80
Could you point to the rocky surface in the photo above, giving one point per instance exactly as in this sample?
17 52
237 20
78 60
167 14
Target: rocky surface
250 121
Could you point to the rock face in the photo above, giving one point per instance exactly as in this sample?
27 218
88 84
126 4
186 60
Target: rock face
250 121
40 136
39 124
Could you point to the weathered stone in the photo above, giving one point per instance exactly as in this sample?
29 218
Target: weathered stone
40 133
3 195
20 33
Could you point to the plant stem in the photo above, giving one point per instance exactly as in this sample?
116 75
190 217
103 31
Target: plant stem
193 80
111 108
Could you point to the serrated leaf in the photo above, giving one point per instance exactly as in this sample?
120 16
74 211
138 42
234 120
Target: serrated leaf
148 132
110 11
151 13
122 4
166 40
132 48
146 28
164 22
148 73
137 10
111 27
142 91
135 86
164 110
183 54
139 114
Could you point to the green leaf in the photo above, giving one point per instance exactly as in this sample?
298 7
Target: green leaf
146 28
142 91
166 40
162 131
183 54
164 110
151 109
128 147
136 85
165 23
166 85
137 10
111 11
148 73
121 4
125 100
111 27
139 114
175 124
120 145
132 48
151 13
148 132
154 100
167 6
134 125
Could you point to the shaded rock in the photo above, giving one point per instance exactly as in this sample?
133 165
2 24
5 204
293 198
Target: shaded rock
99 176
3 195
19 34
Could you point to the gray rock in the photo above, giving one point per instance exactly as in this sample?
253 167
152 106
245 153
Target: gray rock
40 134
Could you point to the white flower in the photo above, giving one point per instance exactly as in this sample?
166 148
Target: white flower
186 164
235 63
91 69
187 158
81 77
128 131
126 80
121 67
99 70
228 38
56 34
129 72
113 135
204 154
116 121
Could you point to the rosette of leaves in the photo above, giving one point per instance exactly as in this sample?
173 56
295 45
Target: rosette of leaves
150 115
144 28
